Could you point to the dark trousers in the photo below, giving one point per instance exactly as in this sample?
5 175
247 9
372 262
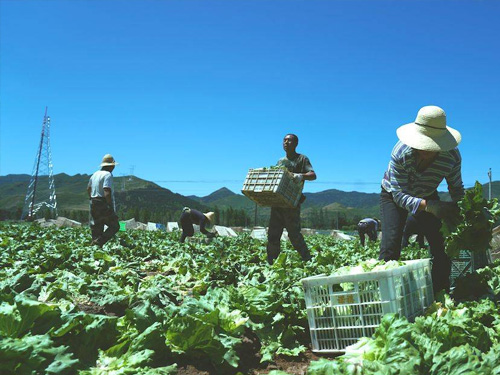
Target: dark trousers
412 227
186 225
393 224
406 240
288 218
369 230
102 214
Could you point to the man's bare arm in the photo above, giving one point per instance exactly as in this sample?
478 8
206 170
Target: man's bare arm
309 176
107 195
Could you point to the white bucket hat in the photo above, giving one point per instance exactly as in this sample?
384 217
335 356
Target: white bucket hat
108 161
429 131
210 216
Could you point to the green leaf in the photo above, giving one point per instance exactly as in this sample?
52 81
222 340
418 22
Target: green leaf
324 367
461 360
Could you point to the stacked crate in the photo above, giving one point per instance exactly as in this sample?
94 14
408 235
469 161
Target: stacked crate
272 187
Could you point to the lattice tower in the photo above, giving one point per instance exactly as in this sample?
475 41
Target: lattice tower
36 196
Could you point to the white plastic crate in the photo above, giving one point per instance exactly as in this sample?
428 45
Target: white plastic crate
272 187
342 309
467 263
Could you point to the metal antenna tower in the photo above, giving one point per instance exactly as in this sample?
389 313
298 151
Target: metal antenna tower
489 185
132 167
42 167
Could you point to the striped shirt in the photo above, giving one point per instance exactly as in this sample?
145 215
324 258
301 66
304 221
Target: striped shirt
408 185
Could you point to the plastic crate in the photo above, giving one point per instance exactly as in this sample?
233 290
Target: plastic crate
467 263
272 188
342 309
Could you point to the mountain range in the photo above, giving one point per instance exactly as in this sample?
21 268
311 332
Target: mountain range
136 196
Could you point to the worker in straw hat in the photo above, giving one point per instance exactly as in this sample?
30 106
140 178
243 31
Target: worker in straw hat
425 154
190 216
102 202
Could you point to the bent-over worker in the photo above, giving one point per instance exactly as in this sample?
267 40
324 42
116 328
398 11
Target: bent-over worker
190 216
425 154
369 227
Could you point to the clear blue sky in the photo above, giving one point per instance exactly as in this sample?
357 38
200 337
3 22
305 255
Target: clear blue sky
193 93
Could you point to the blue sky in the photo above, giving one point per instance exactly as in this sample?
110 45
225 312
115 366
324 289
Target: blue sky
190 94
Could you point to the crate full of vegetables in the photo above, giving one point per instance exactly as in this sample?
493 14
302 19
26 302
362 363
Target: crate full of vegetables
272 187
342 308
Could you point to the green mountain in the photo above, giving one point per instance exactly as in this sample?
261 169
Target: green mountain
134 197
346 199
218 195
345 208
330 206
495 191
147 201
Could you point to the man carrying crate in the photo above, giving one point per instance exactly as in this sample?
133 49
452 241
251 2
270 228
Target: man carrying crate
289 218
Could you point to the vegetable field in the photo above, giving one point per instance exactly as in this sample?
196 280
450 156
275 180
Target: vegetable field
145 304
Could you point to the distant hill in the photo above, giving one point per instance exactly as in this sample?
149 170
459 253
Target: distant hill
146 200
352 199
225 198
495 191
337 203
133 196
350 205
218 195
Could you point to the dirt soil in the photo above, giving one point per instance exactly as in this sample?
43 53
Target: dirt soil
92 308
249 365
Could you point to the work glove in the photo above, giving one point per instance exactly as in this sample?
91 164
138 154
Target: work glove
444 210
298 177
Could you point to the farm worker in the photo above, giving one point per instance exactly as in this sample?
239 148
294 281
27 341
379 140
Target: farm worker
190 216
102 202
289 218
369 227
425 154
412 227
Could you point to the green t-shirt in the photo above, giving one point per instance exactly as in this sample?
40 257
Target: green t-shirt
299 164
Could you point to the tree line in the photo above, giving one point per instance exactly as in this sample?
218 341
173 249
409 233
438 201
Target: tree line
317 218
229 217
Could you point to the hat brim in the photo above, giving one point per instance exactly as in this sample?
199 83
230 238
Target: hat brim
410 135
108 164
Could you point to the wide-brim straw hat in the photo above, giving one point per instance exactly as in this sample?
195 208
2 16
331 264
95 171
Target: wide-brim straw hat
429 131
108 161
210 216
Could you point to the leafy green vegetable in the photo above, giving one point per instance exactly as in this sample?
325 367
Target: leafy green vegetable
145 301
474 232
